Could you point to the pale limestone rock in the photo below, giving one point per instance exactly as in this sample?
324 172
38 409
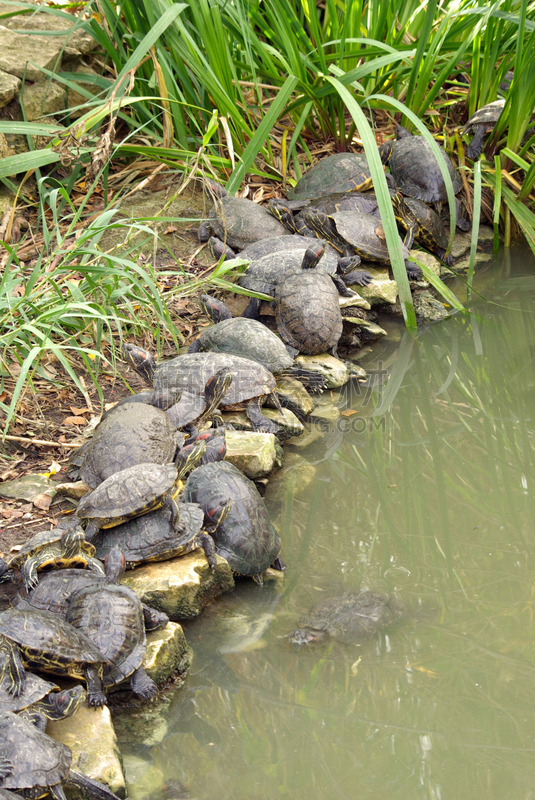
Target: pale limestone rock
481 258
356 300
90 735
381 290
461 244
143 777
167 653
291 480
16 50
428 308
326 411
9 86
371 327
287 421
254 453
428 260
292 390
334 371
181 586
40 99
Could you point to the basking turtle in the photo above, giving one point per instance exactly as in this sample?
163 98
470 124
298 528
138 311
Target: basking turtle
351 232
111 616
290 213
55 589
236 221
423 225
42 700
480 123
152 537
341 172
57 548
416 172
245 536
251 383
349 618
34 765
49 643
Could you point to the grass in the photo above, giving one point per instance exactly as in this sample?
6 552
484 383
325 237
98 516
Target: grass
251 88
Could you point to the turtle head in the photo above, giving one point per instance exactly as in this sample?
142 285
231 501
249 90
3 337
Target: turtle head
306 636
280 209
141 360
215 309
214 190
63 704
189 458
313 255
114 564
72 540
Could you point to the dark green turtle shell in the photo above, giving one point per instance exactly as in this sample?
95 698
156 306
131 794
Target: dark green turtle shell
48 546
111 616
431 231
341 172
265 274
238 222
131 433
308 311
152 537
294 241
49 642
55 589
247 338
486 115
245 538
349 618
416 172
128 493
35 689
362 232
38 762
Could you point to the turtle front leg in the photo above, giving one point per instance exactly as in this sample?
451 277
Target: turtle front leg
11 662
95 692
205 541
94 565
414 273
29 575
257 419
142 685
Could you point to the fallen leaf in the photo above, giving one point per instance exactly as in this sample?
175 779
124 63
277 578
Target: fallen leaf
11 512
348 412
170 229
78 412
42 501
74 421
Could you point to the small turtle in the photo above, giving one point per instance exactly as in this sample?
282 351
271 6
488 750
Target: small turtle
245 537
57 548
416 172
251 383
47 642
55 589
349 618
42 700
34 765
480 123
236 221
341 172
423 225
292 217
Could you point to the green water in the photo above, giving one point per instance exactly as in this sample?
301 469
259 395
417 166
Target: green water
432 497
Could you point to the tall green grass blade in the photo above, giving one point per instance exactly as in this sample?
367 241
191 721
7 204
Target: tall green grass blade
475 228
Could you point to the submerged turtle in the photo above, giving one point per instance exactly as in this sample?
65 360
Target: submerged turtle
57 548
42 700
47 642
34 765
251 383
245 537
416 172
480 123
341 172
55 589
152 537
236 221
349 618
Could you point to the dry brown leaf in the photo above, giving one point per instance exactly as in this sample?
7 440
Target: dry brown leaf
11 513
348 412
170 229
74 421
78 412
42 501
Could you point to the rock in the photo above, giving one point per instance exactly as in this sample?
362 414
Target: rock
254 453
326 411
16 49
290 390
41 99
168 654
9 86
428 308
461 244
75 98
291 480
381 290
333 371
372 330
428 260
91 736
182 586
144 778
27 487
356 301
463 265
287 421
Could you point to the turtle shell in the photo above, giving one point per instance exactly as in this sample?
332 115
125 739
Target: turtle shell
35 689
308 311
38 762
245 538
49 543
55 589
132 433
341 172
247 338
152 537
111 616
238 222
128 493
431 231
486 115
349 618
49 642
416 172
267 272
363 232
276 244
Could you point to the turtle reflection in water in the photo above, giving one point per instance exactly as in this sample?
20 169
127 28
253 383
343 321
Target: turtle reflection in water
349 618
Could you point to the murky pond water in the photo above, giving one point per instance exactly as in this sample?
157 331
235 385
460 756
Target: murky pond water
432 494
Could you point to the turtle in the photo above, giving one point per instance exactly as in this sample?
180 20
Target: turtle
251 383
416 172
423 225
349 617
48 642
34 765
480 123
137 432
352 232
236 221
56 548
341 172
153 537
42 700
111 616
245 537
291 213
55 589
135 491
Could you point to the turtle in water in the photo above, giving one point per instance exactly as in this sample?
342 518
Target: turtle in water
42 700
481 123
349 618
236 221
416 172
340 172
57 548
251 383
245 537
34 765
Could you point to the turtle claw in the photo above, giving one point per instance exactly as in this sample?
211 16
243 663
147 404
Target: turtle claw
96 699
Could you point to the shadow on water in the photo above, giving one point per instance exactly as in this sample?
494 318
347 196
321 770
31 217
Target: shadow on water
432 496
